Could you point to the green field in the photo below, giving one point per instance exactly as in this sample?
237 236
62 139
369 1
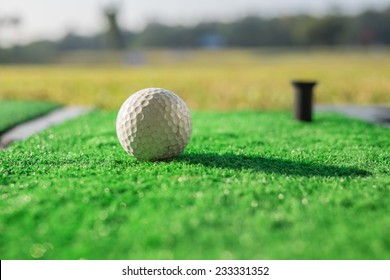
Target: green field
250 185
15 112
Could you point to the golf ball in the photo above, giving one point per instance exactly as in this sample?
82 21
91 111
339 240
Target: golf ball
154 124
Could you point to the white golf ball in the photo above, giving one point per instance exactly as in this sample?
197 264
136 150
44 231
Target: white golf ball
154 124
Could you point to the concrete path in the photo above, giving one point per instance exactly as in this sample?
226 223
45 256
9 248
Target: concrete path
25 130
375 114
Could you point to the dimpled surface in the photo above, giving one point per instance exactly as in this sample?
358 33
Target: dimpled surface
154 124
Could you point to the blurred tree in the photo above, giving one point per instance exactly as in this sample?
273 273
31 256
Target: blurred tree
114 32
327 30
374 27
300 26
367 28
73 41
246 32
160 35
37 52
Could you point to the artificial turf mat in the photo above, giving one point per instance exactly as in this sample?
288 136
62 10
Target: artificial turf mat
15 112
249 186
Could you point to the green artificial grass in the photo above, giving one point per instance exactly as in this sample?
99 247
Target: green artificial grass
250 185
15 112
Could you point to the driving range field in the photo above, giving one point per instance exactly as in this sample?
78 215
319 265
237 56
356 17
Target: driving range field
252 184
209 80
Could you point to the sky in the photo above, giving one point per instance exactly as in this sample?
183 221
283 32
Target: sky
49 19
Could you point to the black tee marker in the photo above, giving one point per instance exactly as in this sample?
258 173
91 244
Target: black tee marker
303 103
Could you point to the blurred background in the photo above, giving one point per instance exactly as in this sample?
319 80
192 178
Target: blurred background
97 51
